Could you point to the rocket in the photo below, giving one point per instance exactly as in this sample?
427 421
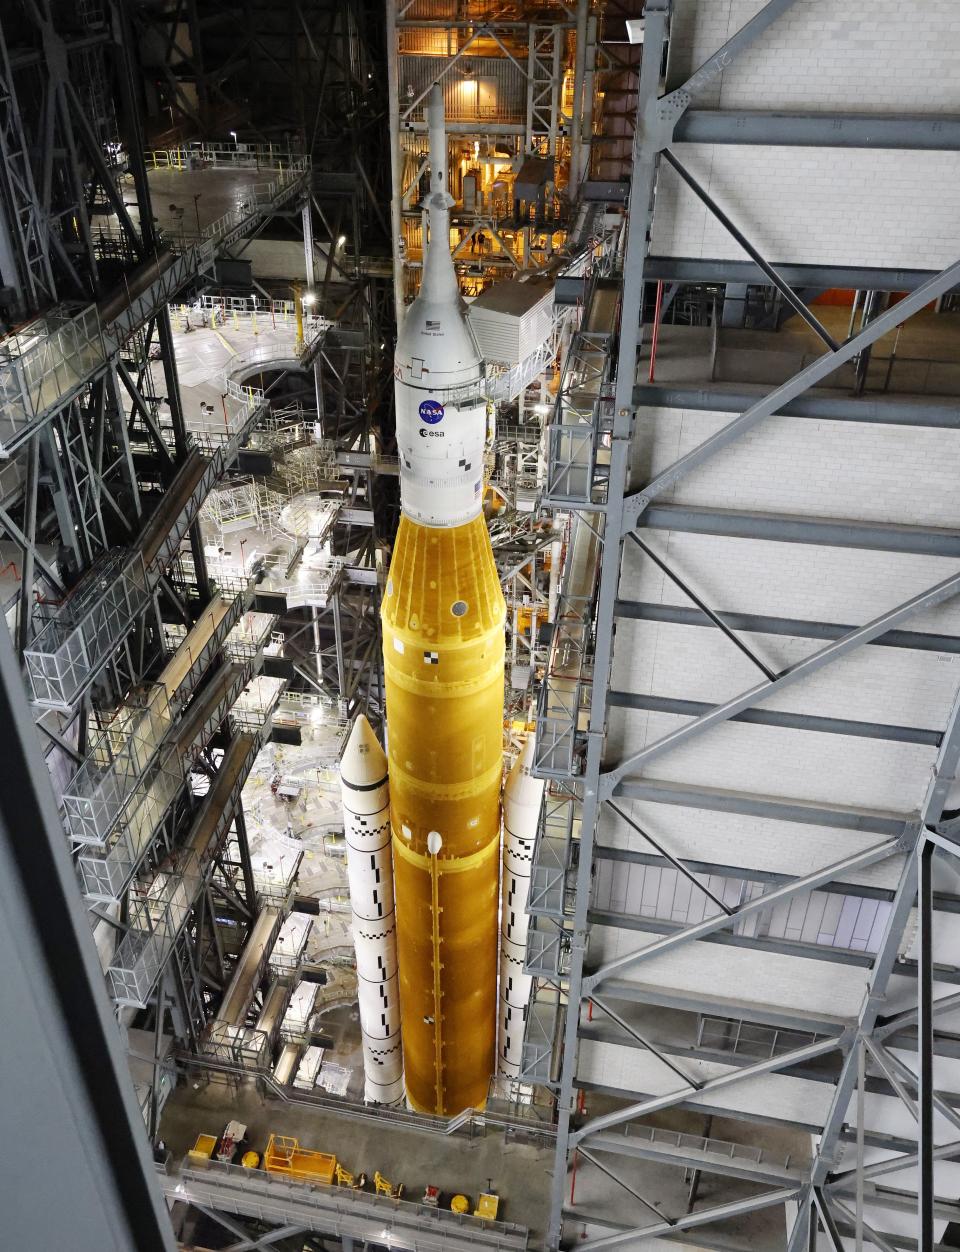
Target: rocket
443 639
365 793
522 796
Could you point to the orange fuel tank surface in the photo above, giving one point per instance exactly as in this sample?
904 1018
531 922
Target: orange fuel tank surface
443 621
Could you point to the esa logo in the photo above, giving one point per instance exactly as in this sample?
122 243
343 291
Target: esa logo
431 412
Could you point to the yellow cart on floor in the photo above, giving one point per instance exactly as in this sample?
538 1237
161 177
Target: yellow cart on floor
487 1206
286 1157
202 1150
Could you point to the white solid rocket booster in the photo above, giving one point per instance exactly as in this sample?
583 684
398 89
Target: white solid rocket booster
522 795
366 822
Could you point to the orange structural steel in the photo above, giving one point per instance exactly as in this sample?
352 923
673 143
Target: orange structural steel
443 622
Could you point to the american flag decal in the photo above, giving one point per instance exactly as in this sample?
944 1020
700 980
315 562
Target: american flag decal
433 325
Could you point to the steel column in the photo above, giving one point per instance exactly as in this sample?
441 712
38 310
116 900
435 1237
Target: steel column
925 1089
645 164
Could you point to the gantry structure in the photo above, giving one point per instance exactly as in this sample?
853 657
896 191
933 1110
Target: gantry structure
723 514
745 882
145 671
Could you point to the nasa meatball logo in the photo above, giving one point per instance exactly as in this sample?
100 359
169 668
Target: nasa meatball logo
431 412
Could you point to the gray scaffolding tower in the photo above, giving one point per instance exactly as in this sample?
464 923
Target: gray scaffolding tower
582 975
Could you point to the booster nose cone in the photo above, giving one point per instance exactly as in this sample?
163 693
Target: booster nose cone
522 791
363 761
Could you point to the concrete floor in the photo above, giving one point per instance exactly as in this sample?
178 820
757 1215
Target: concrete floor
219 191
519 1173
208 355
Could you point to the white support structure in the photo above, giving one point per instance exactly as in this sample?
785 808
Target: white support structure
522 796
366 823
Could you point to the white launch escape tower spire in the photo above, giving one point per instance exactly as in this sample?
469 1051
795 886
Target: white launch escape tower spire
366 822
440 398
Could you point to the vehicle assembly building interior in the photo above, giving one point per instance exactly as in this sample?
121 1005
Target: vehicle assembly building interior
480 683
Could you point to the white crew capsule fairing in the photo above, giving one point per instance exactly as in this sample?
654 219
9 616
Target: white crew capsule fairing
522 796
440 401
366 822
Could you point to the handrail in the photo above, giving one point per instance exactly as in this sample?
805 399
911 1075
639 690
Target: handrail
418 1121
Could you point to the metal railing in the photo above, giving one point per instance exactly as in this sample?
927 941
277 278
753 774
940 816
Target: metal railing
552 855
223 155
98 792
272 1198
87 628
538 1058
159 911
44 364
123 812
703 1144
727 1034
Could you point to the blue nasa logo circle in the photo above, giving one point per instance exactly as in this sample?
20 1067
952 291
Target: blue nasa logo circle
431 412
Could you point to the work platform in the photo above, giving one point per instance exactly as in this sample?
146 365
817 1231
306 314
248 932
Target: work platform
470 1160
158 914
87 628
339 1211
46 364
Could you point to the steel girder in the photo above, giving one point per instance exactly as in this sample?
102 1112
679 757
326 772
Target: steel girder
824 656
720 921
897 826
819 130
818 370
916 879
812 277
656 119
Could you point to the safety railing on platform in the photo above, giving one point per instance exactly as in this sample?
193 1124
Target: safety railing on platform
86 629
105 871
256 705
538 1053
658 1137
507 384
244 1047
225 155
552 856
548 949
726 1034
157 911
270 1196
563 705
117 810
101 787
48 360
45 364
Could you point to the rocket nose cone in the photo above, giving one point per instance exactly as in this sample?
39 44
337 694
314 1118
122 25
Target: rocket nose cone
363 759
521 786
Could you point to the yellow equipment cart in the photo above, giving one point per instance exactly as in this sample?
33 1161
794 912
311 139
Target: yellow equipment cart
487 1206
285 1156
202 1150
